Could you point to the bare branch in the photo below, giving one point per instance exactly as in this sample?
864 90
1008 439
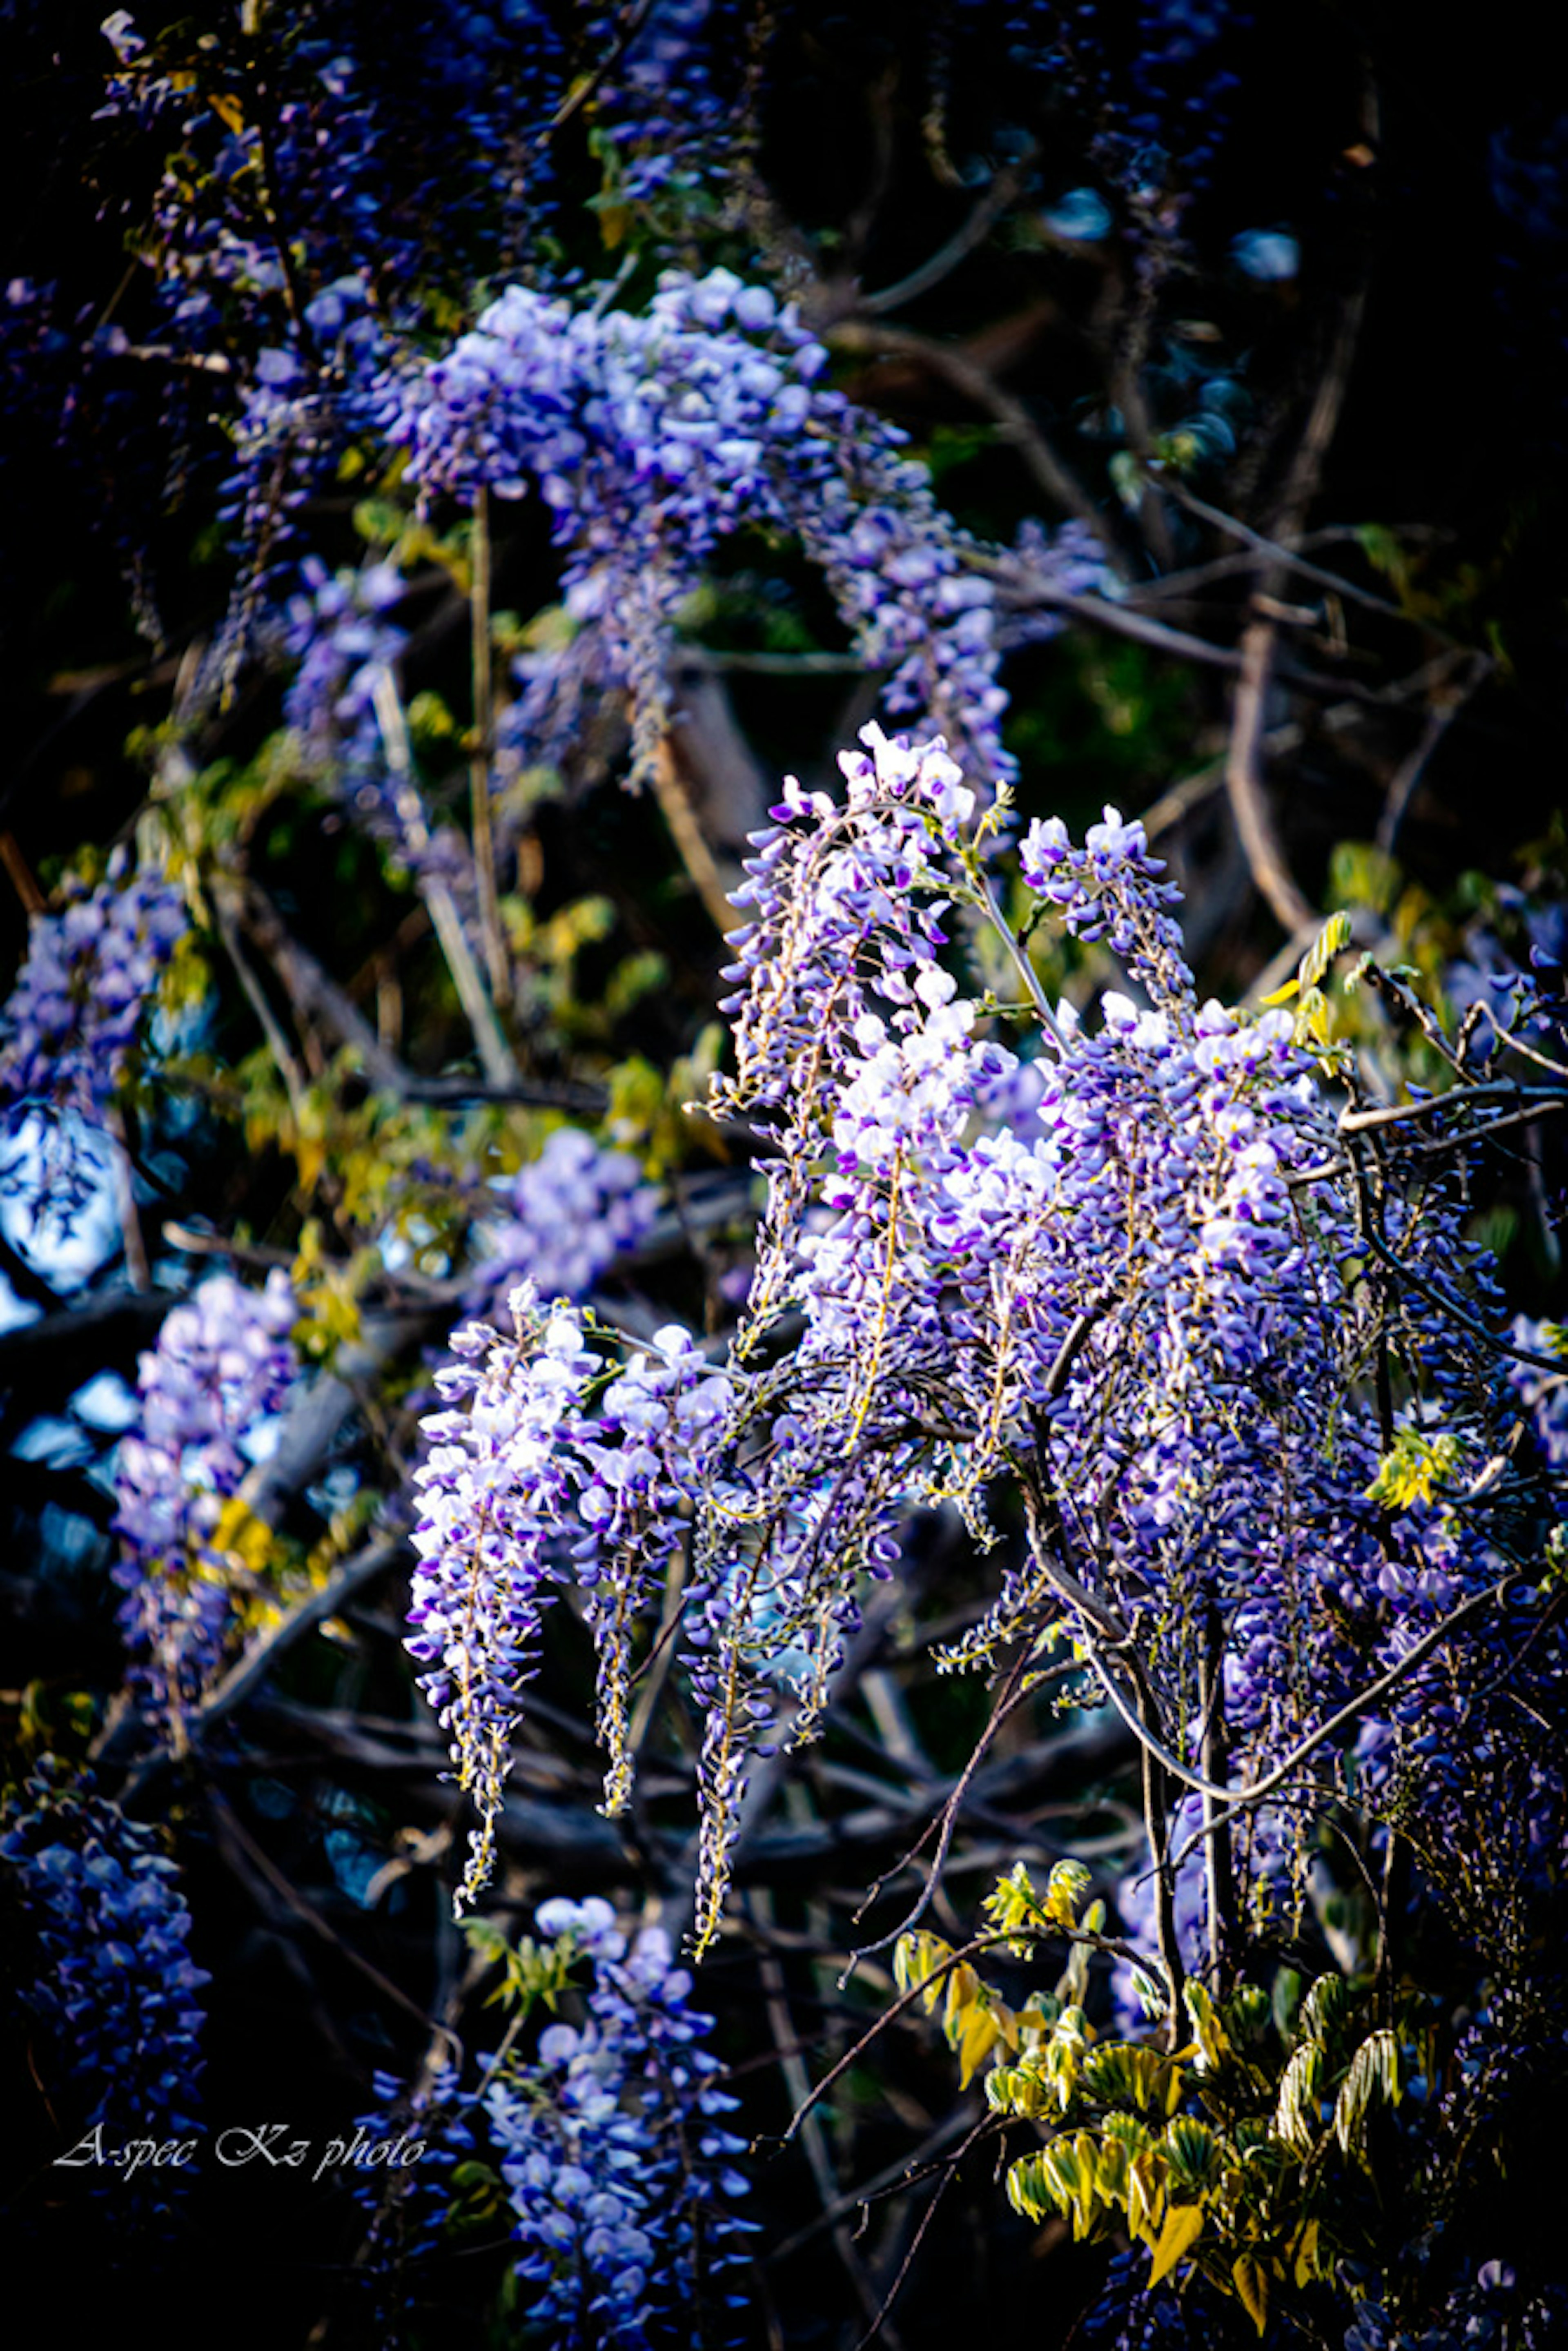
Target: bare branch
1244 783
998 198
1055 477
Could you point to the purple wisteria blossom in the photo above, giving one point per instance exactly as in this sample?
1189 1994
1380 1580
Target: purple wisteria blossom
619 2174
114 1994
1137 1310
344 710
523 1489
650 438
1544 1394
336 628
493 1491
618 2171
72 1021
574 1209
222 1364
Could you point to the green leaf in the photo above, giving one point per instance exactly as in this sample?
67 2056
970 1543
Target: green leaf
1324 2010
1151 1995
1213 2040
1374 2073
1123 2074
1246 2011
1015 1908
915 1960
1386 552
1362 875
1192 2152
1072 2173
1415 1467
1296 2113
1146 2194
962 1989
979 2035
1028 2188
1025 2090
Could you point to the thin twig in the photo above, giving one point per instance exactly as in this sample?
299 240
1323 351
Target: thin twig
800 2089
1055 477
1009 1696
494 1054
1285 557
582 91
479 568
1243 773
256 1662
1004 191
1359 1121
1408 777
138 1271
1244 783
1477 1329
1022 589
1021 963
282 1054
1232 1802
879 2327
676 806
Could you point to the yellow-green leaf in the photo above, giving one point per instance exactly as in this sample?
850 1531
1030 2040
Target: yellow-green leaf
1212 2038
1145 2194
1124 2073
1029 2190
917 1961
1296 2115
1087 2199
1192 2152
1335 935
1250 2280
1068 1881
1184 2226
963 1990
979 2037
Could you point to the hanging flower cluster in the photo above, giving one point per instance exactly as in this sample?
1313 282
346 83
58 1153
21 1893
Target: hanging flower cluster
115 1995
73 1018
618 2171
618 2174
651 439
507 1481
574 1209
1139 1312
223 1363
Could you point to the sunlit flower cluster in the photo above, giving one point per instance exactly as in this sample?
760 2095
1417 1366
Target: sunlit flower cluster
1140 1309
650 438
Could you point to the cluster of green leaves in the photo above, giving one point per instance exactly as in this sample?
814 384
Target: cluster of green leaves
1237 2156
